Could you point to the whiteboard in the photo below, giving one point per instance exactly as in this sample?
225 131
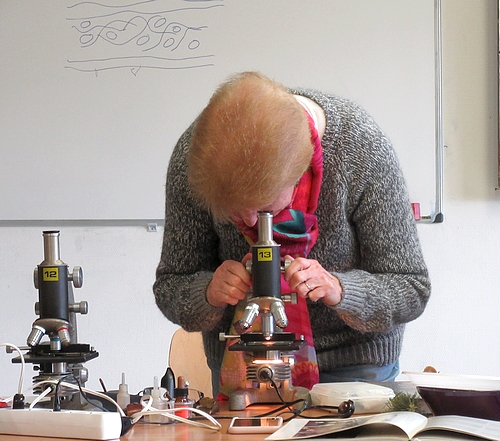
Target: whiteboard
94 95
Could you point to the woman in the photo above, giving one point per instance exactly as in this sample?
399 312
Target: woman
341 214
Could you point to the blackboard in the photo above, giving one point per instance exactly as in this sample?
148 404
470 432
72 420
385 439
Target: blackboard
94 95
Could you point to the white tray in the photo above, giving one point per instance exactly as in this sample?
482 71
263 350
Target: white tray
367 398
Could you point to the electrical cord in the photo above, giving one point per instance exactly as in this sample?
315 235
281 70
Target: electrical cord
137 416
18 399
81 389
21 376
40 397
21 391
345 409
171 414
288 405
57 396
57 399
149 409
127 422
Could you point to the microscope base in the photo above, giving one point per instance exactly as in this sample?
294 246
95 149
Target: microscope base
241 399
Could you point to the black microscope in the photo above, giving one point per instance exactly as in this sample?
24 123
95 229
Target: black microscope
62 357
270 350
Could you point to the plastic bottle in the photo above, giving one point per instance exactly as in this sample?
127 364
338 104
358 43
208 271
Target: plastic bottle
181 398
168 382
158 403
123 397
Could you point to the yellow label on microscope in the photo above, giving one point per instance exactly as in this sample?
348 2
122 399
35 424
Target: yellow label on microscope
50 274
265 254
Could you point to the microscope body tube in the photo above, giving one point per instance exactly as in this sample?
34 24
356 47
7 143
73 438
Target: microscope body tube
266 282
53 302
266 271
53 280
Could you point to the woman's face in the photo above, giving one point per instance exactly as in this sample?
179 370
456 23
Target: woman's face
249 217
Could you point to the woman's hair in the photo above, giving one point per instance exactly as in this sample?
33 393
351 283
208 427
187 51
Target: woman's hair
250 143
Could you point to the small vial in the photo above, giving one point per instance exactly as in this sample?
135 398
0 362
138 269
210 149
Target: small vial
123 397
181 399
158 403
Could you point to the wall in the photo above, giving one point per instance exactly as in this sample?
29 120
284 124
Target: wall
458 332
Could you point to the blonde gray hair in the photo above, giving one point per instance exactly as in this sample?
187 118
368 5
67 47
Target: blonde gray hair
250 142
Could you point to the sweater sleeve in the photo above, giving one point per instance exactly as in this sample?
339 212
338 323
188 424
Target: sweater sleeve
189 252
389 285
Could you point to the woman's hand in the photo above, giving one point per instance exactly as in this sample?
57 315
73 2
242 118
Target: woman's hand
230 283
309 279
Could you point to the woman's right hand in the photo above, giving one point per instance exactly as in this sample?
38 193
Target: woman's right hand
230 283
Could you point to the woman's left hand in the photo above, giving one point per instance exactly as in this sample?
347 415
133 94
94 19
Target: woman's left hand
310 280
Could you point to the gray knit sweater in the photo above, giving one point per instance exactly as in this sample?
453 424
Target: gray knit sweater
367 239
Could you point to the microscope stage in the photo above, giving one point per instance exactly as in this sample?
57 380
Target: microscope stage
74 353
256 342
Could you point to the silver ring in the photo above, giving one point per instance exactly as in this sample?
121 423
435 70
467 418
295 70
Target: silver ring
308 287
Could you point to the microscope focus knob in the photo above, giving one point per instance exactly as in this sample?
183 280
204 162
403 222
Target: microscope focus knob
290 298
35 277
286 264
81 307
76 277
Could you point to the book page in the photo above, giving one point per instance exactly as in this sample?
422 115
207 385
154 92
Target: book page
486 429
439 436
409 422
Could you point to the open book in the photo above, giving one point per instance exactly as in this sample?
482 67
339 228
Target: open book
391 426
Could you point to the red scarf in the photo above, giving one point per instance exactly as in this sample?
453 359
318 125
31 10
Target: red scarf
296 229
